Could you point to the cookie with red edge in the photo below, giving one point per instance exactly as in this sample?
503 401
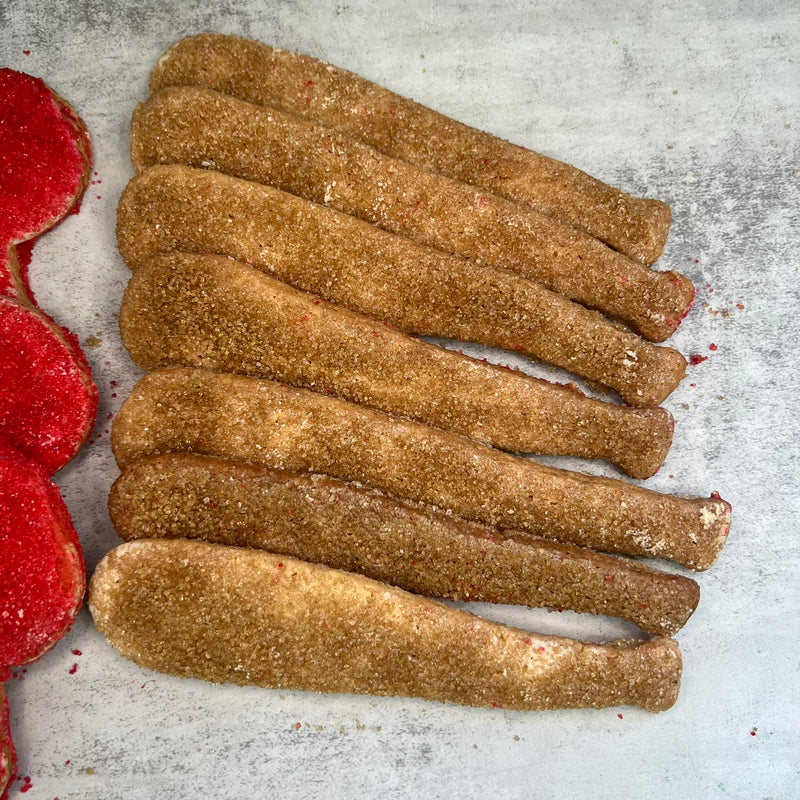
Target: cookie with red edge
45 160
42 573
8 757
48 402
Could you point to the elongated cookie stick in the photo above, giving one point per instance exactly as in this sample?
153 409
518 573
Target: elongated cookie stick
214 312
263 422
419 289
234 615
317 518
407 130
200 128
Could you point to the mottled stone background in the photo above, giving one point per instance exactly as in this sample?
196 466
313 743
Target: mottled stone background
692 102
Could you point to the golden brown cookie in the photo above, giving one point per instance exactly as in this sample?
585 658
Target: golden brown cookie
234 615
316 518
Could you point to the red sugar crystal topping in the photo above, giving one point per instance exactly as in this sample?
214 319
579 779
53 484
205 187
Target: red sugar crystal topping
48 401
44 158
42 576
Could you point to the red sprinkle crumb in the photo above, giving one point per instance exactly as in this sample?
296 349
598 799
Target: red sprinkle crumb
753 731
73 669
697 359
297 726
619 716
26 52
77 653
712 346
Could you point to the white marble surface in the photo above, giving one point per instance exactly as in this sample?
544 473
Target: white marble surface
695 103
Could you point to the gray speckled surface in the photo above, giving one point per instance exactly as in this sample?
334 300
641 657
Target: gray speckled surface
695 103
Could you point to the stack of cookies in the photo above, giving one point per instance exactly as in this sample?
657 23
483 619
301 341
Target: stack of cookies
300 472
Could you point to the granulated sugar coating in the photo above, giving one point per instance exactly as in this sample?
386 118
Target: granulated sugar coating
319 519
407 130
213 312
233 615
201 128
419 289
262 422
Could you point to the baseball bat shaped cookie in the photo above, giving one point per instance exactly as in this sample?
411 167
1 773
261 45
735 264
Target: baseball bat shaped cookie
317 518
197 127
409 131
235 615
263 422
214 312
419 289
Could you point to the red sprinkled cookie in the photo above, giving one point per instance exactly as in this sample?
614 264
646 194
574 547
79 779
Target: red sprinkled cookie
45 159
42 574
49 402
